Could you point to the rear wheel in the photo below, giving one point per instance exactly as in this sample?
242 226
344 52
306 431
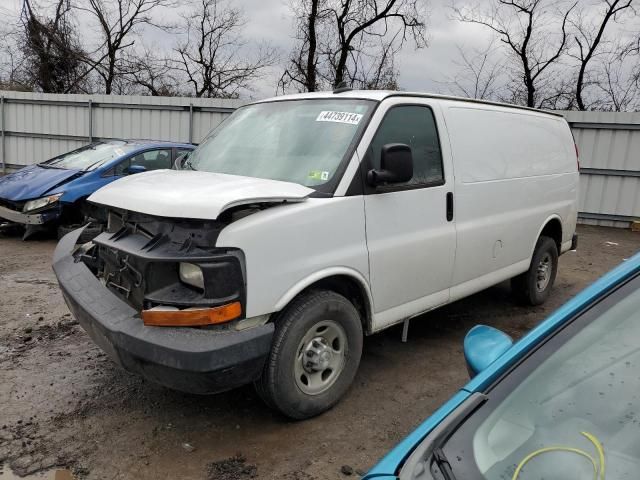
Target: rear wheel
315 355
533 287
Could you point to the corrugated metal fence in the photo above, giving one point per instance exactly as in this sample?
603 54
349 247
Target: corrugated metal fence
35 127
609 145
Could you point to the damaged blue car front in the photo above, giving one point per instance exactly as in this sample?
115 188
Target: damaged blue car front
52 194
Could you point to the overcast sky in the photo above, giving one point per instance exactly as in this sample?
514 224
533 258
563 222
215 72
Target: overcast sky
419 69
271 21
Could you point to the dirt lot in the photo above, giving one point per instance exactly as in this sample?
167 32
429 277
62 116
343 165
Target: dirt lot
63 403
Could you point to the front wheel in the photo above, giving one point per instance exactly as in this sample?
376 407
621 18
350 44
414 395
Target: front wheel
314 357
533 287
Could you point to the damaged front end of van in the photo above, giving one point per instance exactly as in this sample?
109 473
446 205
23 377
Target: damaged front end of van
156 294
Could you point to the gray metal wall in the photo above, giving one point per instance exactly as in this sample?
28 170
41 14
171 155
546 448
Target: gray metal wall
609 146
36 127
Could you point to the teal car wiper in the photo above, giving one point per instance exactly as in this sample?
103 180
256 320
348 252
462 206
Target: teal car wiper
443 464
430 449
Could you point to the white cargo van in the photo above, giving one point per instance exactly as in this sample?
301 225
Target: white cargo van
304 222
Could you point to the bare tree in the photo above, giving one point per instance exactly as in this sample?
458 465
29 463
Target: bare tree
478 73
619 86
12 61
374 68
210 55
340 40
590 36
531 35
117 22
52 52
354 19
631 52
303 64
152 74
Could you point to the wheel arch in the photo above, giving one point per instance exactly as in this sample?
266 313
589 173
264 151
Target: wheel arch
552 228
345 281
72 210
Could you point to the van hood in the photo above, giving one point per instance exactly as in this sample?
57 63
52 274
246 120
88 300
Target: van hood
193 194
33 182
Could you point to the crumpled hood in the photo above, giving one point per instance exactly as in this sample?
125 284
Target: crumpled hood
192 194
32 182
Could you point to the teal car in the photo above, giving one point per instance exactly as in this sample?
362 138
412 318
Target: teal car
562 403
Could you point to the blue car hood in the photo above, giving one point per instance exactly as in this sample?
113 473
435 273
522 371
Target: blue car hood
33 182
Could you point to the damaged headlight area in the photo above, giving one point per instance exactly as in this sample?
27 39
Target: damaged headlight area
192 275
169 271
40 203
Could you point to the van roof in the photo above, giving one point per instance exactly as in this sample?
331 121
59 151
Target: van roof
379 95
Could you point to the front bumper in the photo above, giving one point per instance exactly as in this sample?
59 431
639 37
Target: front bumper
28 219
187 359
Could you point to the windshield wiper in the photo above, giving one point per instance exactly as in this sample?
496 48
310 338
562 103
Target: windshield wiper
46 165
443 464
429 451
94 164
187 163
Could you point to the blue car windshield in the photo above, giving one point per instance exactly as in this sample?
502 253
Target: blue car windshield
568 411
89 157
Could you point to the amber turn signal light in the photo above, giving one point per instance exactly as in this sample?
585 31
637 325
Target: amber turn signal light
193 317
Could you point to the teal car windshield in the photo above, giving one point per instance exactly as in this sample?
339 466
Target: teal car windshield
89 157
299 141
570 410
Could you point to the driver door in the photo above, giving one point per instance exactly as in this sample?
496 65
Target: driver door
411 235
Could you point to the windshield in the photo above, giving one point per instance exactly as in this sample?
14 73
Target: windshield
301 141
571 409
89 157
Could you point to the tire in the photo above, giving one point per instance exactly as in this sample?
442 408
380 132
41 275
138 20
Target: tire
530 288
303 331
89 233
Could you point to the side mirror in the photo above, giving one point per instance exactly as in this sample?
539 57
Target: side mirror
396 165
483 345
179 163
136 169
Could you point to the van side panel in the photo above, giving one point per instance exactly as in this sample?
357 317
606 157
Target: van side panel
287 245
514 171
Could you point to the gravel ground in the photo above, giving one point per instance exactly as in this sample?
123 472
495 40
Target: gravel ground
63 403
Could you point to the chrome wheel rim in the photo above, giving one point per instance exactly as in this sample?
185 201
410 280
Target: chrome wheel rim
320 357
543 272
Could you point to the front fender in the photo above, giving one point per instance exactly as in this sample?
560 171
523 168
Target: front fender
320 275
84 188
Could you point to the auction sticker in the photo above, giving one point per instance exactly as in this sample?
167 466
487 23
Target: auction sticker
319 175
339 117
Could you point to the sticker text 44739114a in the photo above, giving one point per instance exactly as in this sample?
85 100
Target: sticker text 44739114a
339 117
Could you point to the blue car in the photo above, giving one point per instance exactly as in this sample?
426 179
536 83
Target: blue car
53 193
562 403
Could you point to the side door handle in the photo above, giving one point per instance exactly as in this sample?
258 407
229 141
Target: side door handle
449 206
